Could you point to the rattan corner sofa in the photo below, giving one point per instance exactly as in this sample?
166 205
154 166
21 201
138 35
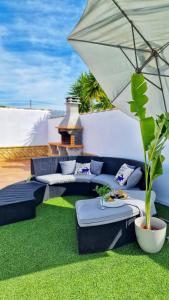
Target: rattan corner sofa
79 185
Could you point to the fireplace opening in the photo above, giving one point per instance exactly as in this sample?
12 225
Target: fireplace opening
65 137
71 137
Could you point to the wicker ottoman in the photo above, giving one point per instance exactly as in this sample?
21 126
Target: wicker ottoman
18 201
101 230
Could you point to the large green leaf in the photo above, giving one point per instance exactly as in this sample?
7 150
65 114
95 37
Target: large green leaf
157 167
167 125
148 131
161 134
138 90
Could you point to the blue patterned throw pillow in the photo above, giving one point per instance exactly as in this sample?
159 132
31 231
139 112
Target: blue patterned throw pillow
82 169
123 174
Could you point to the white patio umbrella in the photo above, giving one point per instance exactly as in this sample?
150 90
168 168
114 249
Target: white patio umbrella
118 38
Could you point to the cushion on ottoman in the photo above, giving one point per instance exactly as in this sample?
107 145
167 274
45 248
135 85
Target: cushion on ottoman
89 213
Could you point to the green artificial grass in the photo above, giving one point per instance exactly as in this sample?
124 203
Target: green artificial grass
39 260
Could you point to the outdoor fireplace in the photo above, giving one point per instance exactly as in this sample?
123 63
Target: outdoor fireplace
70 130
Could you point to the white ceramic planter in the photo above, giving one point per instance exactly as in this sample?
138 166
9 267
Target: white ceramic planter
150 241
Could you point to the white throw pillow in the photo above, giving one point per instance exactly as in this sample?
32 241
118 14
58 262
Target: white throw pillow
123 174
82 169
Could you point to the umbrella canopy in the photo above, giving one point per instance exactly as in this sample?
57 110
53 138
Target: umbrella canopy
118 38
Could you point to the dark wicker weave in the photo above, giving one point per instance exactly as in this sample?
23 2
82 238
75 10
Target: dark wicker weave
105 237
50 165
18 201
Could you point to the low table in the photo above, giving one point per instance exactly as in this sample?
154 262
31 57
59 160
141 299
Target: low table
102 230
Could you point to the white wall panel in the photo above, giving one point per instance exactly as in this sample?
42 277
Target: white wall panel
23 127
111 133
53 135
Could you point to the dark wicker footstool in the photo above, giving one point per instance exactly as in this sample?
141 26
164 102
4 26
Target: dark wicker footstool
101 230
18 201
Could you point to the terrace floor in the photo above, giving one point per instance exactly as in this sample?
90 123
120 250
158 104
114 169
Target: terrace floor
39 259
13 171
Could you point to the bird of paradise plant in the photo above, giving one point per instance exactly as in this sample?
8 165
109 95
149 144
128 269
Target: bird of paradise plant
154 133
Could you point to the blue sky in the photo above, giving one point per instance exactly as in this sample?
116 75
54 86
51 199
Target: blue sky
36 61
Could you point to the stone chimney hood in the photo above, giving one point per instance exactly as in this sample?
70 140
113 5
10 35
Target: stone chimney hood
71 119
70 130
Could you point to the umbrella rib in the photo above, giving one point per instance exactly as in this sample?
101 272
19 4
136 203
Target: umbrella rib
159 75
128 58
108 45
120 92
152 83
162 75
164 60
134 42
163 47
146 62
130 21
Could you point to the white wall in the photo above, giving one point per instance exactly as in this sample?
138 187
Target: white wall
23 127
112 133
53 135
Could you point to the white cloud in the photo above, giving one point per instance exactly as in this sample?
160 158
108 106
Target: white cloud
44 70
46 6
44 22
37 76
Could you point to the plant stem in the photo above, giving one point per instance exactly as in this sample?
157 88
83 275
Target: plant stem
148 207
148 194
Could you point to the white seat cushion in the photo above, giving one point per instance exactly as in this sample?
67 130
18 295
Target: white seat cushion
84 178
60 178
109 180
56 178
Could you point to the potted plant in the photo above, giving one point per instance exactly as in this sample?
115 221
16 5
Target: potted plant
102 191
150 231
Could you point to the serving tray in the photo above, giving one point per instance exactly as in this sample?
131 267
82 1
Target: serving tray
115 203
